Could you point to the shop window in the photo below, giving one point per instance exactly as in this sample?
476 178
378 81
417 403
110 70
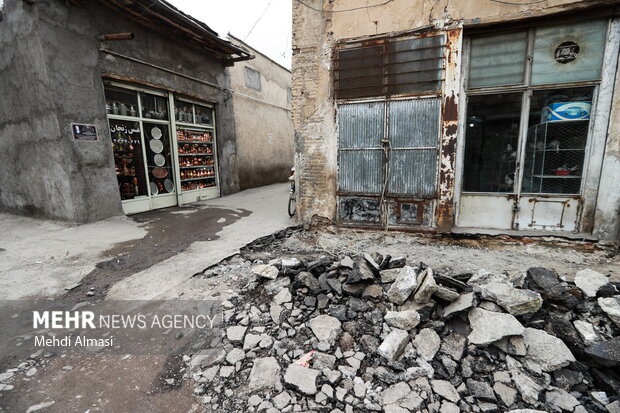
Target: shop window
159 158
549 142
492 142
128 159
121 102
204 115
402 66
148 170
252 79
183 111
498 60
154 107
556 140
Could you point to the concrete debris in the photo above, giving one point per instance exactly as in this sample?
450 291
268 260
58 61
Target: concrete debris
405 320
265 373
549 351
611 306
427 287
561 399
515 301
587 332
590 282
446 390
326 328
489 326
464 302
369 333
302 378
266 271
513 345
403 285
394 344
427 343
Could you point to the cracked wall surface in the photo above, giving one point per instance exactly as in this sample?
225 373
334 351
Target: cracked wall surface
52 75
320 24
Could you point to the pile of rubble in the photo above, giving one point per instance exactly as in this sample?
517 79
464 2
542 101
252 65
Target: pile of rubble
371 333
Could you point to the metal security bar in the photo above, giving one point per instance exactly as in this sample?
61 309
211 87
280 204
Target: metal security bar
390 67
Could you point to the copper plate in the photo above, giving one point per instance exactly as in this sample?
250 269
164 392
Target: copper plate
160 172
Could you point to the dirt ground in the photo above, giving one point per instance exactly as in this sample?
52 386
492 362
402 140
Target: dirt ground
462 255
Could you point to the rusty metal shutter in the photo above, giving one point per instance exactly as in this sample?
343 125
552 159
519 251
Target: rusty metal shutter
414 138
360 155
389 67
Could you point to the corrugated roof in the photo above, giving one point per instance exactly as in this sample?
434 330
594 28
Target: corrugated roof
166 19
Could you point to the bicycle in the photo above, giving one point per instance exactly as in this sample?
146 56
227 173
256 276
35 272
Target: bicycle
292 202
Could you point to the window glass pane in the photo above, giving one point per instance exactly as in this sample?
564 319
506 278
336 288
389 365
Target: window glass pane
556 140
415 65
154 107
183 112
497 60
569 53
158 155
359 72
128 161
121 101
492 135
204 115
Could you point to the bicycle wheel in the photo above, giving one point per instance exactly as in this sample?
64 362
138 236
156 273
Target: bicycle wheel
292 206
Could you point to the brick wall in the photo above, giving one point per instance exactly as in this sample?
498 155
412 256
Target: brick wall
313 113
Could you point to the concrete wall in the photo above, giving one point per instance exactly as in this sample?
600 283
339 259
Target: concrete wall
263 121
315 34
52 72
30 135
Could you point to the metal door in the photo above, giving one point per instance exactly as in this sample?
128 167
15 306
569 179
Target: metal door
387 161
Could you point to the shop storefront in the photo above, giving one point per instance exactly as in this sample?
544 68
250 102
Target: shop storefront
164 147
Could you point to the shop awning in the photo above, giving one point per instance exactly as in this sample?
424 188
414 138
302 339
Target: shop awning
164 18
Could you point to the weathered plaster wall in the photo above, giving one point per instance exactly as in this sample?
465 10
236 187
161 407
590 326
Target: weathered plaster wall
314 34
264 127
607 217
313 112
30 135
57 78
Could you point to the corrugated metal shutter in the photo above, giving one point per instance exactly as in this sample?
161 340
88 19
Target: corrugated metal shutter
414 139
360 155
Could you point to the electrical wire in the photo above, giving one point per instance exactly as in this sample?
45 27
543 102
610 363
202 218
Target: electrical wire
257 20
346 10
518 4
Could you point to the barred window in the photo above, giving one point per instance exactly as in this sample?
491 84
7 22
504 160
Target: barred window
403 66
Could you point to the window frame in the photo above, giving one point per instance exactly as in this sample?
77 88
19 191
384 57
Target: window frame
526 89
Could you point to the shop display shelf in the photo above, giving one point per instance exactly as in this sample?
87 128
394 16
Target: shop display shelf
558 176
197 166
196 154
198 179
185 191
202 142
197 127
